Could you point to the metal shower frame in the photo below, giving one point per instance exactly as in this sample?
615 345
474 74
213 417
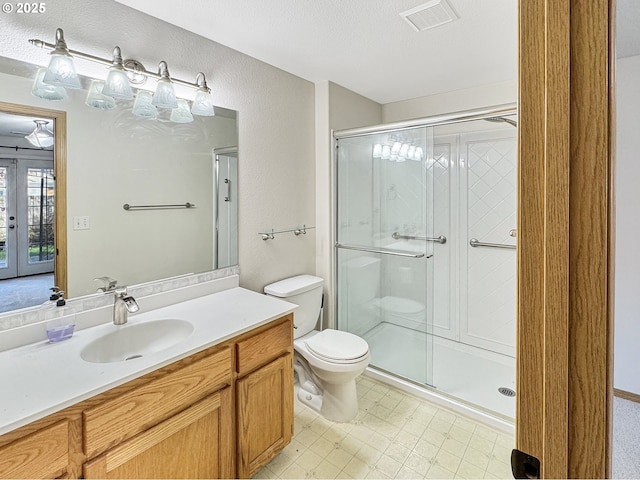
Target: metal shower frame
501 110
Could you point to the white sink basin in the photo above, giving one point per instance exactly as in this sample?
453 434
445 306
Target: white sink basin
133 341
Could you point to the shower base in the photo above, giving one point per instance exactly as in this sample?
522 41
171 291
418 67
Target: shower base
464 372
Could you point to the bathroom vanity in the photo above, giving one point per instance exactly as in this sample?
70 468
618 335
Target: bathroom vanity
219 404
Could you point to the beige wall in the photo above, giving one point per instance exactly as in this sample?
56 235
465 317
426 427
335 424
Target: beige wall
276 117
459 100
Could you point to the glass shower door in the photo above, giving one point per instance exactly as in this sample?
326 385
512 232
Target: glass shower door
384 248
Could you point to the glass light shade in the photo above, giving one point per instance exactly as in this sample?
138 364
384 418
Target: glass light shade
117 84
181 114
165 97
61 72
411 152
404 150
48 92
202 104
96 99
386 152
377 150
418 155
143 107
395 148
41 136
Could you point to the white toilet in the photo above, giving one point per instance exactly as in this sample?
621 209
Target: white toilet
327 362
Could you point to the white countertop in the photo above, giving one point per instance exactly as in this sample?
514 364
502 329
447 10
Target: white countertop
42 378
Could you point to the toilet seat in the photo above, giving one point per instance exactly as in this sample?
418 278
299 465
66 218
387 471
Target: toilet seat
336 346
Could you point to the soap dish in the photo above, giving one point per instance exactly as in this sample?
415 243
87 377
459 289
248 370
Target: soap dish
57 334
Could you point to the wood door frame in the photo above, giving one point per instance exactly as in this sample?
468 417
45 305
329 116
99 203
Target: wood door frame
565 235
60 174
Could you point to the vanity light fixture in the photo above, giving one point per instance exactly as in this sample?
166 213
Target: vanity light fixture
121 77
117 84
41 136
377 150
181 113
143 107
397 151
202 104
96 97
61 71
165 96
46 91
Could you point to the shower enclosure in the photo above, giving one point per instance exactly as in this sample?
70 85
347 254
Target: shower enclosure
425 252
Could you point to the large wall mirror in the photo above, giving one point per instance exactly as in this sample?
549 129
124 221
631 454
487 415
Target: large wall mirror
112 158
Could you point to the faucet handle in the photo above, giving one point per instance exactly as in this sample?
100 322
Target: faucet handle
109 284
56 293
120 292
131 304
129 301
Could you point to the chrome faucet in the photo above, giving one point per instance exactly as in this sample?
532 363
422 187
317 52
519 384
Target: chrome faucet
123 305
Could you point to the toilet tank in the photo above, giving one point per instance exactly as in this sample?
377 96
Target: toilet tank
304 291
362 279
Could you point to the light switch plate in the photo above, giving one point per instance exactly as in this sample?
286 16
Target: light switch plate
81 223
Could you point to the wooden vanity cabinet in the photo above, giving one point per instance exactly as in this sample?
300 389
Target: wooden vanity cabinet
264 396
264 415
220 413
173 426
41 454
195 443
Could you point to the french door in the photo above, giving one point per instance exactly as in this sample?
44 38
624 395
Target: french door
27 192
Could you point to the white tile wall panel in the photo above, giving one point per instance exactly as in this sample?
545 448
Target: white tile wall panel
488 214
443 323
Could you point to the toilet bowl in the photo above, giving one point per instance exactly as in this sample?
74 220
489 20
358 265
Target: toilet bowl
327 362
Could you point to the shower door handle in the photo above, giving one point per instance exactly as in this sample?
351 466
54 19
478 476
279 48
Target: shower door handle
228 197
383 251
441 239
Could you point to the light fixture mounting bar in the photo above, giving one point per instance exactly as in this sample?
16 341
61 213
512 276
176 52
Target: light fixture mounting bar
109 62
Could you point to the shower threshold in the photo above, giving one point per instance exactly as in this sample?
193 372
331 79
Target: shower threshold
469 374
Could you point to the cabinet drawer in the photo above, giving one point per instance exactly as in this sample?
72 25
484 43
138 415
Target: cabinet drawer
265 346
195 443
43 454
120 418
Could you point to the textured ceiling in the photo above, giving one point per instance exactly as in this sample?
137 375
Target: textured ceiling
363 45
18 125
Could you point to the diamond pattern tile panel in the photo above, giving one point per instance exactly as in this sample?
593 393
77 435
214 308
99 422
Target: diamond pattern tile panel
491 214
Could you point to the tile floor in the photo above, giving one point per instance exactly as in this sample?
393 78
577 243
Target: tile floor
394 436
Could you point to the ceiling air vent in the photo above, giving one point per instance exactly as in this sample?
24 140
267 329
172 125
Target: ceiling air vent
430 15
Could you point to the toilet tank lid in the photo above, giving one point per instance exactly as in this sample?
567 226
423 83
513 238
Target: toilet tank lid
293 286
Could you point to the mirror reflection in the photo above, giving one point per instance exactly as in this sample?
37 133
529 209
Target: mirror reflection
113 158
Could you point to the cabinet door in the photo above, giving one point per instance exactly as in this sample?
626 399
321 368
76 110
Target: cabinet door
43 454
195 443
264 413
112 422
